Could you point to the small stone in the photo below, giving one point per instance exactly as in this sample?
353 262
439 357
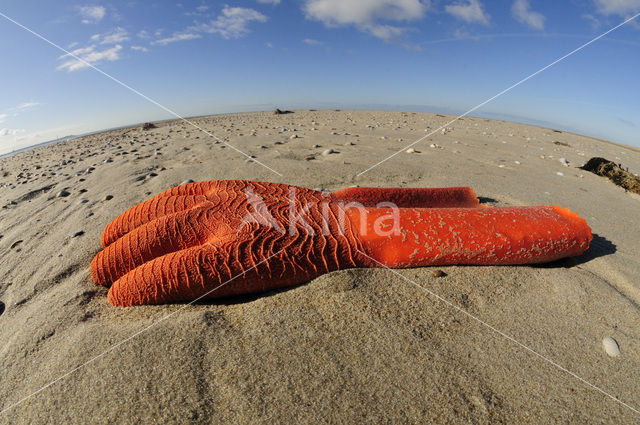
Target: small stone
411 150
349 144
611 346
560 173
309 158
83 201
186 182
108 197
316 146
262 147
438 273
564 162
517 162
277 143
76 234
328 152
62 194
293 136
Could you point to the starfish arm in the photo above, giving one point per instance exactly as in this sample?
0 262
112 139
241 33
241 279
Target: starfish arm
446 197
155 208
482 236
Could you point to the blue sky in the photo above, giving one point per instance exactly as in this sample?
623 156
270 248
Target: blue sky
202 57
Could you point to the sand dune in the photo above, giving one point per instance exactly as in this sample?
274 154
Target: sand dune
357 346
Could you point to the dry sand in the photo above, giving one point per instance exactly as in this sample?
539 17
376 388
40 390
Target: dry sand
358 346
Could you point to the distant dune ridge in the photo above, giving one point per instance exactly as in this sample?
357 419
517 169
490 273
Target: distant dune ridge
355 346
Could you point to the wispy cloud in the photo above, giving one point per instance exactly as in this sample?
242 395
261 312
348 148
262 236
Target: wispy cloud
92 14
312 42
118 35
177 37
139 48
626 122
471 11
90 56
269 45
618 7
2 117
366 15
595 22
10 131
521 11
233 22
28 105
273 2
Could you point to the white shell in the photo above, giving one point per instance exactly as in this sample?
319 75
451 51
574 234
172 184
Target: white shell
611 346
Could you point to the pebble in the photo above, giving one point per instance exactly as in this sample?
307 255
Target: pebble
517 162
108 197
611 346
277 143
411 150
186 182
560 173
564 162
328 152
438 273
76 234
349 144
293 136
316 146
62 194
83 201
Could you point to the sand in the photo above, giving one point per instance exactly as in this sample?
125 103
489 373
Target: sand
356 346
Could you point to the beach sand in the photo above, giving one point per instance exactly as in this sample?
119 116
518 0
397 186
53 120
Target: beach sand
355 346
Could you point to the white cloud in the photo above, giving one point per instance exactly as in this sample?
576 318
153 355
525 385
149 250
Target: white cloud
269 45
233 22
273 2
143 34
116 36
3 117
618 7
27 105
202 8
90 56
521 10
365 15
92 14
177 37
139 48
312 42
10 131
470 12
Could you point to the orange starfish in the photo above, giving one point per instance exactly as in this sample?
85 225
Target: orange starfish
219 238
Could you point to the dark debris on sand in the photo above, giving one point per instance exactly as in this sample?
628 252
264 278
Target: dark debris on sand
614 172
148 126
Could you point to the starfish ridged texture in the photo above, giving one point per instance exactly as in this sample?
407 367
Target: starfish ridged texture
228 237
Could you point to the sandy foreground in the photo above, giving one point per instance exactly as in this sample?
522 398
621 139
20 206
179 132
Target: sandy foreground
356 346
